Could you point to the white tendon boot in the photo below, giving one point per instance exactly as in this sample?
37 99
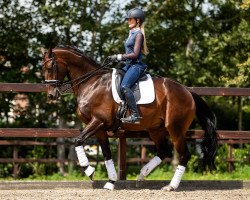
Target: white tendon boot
84 162
153 163
111 174
176 179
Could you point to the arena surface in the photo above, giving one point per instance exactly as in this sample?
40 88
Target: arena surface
127 190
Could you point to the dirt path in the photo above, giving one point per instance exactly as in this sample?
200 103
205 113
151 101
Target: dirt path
127 190
145 194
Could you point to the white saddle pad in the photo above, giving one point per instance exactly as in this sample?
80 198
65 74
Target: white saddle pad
146 89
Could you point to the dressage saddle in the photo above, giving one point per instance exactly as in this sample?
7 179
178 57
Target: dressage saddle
135 89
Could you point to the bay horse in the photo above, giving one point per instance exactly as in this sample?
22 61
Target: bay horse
171 113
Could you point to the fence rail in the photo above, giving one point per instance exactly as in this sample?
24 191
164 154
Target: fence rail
69 133
206 91
225 136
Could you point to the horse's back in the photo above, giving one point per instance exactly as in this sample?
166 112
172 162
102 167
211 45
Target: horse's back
172 90
175 95
178 102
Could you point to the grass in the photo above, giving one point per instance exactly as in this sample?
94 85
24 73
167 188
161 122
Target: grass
161 173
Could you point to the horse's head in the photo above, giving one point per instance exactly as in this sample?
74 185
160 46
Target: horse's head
55 70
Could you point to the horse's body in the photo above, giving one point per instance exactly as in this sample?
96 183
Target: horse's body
172 111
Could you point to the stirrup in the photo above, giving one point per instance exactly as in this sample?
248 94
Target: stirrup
131 119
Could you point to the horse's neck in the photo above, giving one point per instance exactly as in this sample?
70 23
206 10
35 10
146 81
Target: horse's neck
79 72
79 68
77 65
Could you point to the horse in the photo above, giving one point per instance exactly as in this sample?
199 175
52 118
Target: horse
170 114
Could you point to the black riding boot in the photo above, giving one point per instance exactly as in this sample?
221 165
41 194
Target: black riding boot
135 116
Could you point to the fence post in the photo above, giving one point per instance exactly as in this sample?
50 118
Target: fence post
230 158
122 158
71 157
15 165
143 153
61 148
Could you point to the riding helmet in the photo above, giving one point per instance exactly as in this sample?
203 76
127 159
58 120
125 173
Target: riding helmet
136 13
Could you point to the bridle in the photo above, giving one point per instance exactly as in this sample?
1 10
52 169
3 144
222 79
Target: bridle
54 69
60 85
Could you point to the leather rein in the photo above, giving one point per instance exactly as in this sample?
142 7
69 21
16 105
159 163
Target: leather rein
57 84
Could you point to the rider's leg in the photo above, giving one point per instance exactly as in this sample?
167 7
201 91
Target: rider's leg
135 116
130 78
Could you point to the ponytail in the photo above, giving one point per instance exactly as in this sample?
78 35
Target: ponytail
145 50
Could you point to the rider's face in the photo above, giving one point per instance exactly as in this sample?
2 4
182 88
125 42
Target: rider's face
132 23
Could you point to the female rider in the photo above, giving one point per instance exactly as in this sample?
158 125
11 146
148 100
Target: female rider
135 45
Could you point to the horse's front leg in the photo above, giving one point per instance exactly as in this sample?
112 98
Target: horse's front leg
112 175
90 130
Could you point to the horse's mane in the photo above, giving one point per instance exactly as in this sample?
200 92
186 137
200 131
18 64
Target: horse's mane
78 52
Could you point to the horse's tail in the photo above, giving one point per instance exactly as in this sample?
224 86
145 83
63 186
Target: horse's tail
207 120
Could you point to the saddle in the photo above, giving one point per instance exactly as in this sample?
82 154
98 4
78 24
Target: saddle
135 89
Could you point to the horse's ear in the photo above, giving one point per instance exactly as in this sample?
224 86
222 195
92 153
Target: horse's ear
43 50
50 52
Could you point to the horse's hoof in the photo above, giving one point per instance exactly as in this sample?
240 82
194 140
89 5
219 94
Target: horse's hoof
140 177
139 181
90 171
109 186
168 188
92 176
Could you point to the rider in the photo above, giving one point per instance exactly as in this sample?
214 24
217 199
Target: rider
135 45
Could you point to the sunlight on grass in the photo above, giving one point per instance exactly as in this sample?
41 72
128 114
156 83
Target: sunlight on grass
161 173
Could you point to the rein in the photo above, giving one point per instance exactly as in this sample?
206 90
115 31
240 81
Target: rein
81 79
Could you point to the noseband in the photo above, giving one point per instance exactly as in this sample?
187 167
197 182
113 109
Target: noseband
54 68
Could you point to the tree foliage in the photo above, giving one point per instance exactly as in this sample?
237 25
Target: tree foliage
196 42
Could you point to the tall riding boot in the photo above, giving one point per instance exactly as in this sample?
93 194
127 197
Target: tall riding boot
135 116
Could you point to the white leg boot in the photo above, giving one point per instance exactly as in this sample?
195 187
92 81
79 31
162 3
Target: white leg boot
176 179
111 174
84 162
153 163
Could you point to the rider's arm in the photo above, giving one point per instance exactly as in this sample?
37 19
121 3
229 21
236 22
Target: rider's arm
137 48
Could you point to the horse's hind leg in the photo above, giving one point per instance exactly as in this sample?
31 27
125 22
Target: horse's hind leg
177 132
104 143
163 151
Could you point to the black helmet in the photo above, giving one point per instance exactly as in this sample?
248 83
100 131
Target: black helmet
136 13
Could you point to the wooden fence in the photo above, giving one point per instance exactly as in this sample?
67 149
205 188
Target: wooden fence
228 137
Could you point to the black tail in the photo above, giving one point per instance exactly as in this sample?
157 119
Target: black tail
209 142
